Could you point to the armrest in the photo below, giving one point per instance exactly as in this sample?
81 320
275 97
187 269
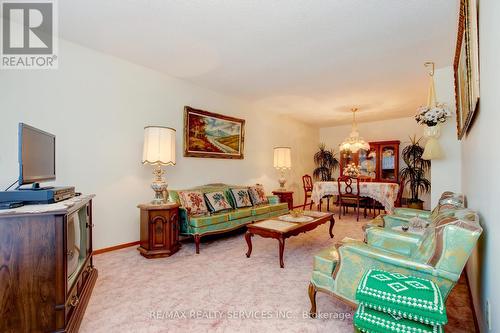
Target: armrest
183 219
363 250
391 221
410 212
273 199
356 257
398 242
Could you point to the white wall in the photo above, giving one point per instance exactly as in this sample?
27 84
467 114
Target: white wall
393 129
480 181
446 171
97 106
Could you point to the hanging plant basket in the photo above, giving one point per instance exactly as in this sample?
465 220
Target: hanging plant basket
431 116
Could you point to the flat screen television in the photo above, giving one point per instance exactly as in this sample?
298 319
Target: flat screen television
37 155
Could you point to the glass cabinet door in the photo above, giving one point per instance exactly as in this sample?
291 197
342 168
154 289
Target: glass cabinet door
388 163
368 162
346 157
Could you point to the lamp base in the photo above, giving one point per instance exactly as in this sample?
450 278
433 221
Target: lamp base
160 186
282 182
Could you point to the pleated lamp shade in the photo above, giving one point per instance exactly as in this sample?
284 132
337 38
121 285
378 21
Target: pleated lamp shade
159 145
282 158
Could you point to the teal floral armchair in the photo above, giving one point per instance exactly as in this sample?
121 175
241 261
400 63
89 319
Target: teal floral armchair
439 255
448 203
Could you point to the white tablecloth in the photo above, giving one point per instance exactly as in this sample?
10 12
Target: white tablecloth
385 193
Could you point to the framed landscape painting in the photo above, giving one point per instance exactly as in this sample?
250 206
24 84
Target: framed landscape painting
213 135
466 66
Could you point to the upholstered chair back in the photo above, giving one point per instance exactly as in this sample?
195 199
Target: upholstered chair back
448 201
455 238
456 199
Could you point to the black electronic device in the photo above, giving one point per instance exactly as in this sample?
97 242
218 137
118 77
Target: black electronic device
11 204
42 196
37 156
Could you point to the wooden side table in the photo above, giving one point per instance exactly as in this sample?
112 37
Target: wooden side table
285 196
159 230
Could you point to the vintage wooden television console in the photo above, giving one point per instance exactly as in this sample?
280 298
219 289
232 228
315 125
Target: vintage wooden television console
46 268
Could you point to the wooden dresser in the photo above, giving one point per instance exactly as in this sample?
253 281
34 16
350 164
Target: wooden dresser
46 268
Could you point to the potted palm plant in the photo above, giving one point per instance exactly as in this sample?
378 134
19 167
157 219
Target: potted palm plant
413 175
326 163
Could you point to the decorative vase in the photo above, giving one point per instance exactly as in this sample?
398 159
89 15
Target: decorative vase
432 149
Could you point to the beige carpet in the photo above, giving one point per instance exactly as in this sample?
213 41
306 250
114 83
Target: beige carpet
220 290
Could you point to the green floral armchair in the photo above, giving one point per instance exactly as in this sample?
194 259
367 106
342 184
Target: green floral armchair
448 203
439 254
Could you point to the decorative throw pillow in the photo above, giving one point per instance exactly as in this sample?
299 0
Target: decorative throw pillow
241 197
217 201
258 195
194 202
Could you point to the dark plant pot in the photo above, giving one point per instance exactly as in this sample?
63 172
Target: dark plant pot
416 204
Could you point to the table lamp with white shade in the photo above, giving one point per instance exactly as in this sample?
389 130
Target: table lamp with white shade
159 150
282 162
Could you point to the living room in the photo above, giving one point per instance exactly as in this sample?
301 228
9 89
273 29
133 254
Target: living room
283 75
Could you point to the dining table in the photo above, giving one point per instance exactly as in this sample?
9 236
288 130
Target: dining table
385 193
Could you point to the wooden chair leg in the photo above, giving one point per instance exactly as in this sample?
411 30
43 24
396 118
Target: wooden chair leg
328 204
357 218
197 243
312 298
311 205
340 209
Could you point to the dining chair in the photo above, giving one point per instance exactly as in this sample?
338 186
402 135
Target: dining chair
349 195
370 203
308 187
400 193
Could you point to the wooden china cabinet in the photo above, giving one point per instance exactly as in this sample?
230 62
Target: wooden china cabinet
381 162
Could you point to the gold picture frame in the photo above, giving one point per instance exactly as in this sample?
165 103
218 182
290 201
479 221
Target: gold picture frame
212 135
466 66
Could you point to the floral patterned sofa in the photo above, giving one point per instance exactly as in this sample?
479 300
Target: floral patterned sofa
196 222
438 254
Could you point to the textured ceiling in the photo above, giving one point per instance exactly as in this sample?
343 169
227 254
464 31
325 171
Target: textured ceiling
312 60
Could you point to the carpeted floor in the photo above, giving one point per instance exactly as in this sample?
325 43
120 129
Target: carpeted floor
220 290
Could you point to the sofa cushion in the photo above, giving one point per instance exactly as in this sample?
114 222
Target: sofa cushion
279 206
202 221
258 195
240 213
193 201
217 201
326 260
240 197
261 210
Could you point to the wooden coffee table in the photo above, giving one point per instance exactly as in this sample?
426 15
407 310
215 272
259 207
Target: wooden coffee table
281 230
